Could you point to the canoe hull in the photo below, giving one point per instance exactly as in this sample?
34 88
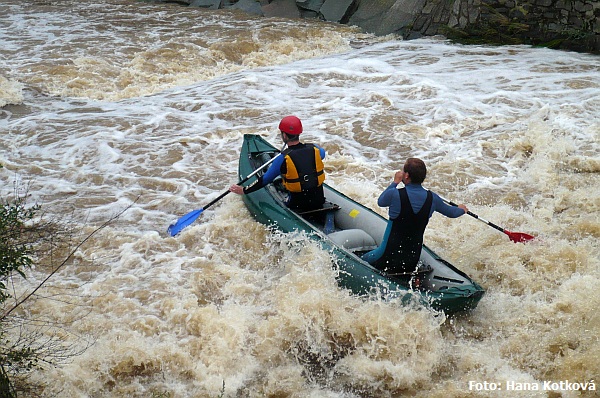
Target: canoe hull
443 288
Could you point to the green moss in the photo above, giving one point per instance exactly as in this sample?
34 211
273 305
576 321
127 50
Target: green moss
554 44
482 35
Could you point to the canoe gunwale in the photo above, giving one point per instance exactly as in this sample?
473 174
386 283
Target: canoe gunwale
267 207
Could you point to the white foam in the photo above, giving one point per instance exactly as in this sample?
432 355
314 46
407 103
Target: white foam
510 131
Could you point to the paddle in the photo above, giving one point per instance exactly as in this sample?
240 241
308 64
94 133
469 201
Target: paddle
516 237
190 217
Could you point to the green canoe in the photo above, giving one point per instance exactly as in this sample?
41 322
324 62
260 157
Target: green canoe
357 229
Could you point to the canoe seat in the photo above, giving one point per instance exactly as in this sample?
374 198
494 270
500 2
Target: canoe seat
353 239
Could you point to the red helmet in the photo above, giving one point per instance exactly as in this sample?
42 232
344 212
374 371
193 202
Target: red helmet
291 125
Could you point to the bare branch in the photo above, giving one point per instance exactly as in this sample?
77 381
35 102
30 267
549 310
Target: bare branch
66 260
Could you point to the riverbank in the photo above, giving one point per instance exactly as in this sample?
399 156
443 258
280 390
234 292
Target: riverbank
558 24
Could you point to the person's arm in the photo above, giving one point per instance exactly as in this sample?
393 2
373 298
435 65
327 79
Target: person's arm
272 172
321 151
386 197
267 178
446 209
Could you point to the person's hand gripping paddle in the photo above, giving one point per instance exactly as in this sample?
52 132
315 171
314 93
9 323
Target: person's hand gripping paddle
190 217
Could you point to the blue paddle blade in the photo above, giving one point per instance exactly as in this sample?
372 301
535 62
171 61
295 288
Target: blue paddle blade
183 222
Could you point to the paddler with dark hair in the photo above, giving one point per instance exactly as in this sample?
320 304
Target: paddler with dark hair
301 168
409 210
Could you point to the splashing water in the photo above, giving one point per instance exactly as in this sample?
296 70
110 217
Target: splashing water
108 102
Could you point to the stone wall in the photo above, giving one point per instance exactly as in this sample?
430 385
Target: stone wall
567 24
564 24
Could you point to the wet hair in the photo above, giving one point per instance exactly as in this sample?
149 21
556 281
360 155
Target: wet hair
416 169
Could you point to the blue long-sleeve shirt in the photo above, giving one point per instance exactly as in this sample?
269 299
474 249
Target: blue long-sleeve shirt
417 196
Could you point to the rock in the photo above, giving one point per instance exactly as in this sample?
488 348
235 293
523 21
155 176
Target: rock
336 10
311 5
249 6
387 16
210 4
281 8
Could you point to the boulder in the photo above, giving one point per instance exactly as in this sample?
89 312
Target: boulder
386 16
281 8
337 10
210 4
249 6
310 5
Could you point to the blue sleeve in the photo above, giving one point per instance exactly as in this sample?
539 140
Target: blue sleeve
449 211
321 151
385 199
273 171
390 199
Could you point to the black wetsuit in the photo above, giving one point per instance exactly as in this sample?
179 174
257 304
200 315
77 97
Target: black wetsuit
403 248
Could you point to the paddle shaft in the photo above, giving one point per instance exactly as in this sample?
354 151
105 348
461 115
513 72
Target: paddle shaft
491 224
249 176
517 237
189 218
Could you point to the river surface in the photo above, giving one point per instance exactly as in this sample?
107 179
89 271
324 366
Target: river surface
115 105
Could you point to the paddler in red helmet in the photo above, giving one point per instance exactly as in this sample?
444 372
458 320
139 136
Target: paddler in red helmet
301 168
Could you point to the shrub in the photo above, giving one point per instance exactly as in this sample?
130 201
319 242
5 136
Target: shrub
15 256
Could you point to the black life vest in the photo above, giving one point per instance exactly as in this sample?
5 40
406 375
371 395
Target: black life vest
404 245
302 169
